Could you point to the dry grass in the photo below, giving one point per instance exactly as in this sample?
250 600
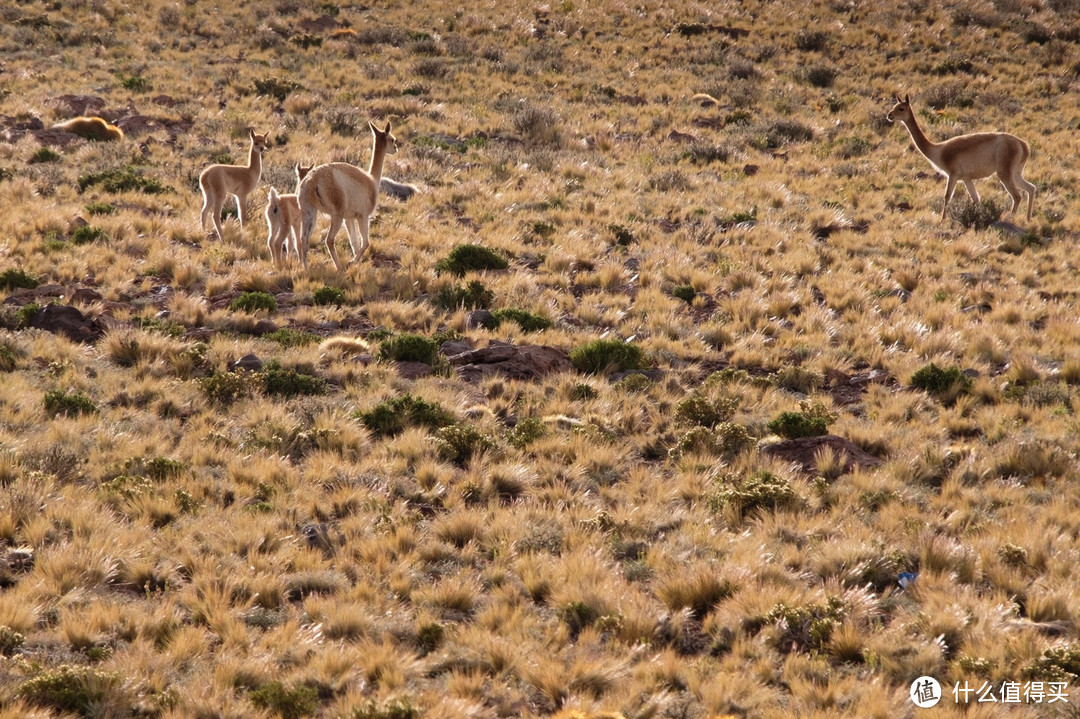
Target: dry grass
180 540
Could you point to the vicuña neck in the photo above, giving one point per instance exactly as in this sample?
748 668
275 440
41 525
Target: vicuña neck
254 158
378 154
926 147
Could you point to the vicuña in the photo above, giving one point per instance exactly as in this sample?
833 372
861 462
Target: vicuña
971 157
91 128
283 219
347 194
220 181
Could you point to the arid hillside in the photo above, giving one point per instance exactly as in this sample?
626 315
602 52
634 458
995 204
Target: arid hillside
663 391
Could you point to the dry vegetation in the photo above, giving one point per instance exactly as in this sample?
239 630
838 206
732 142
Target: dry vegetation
180 540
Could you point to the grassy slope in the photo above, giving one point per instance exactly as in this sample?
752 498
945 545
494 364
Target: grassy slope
586 566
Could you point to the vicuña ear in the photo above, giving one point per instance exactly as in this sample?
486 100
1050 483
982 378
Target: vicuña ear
372 126
387 130
897 97
907 99
251 133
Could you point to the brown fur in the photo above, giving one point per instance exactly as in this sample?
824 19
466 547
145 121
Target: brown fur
217 182
92 128
347 194
967 158
283 220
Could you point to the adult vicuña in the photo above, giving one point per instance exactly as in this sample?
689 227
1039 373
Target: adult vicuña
283 219
971 157
92 128
220 181
347 194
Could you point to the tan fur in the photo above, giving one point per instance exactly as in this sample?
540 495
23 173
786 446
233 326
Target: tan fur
971 157
348 195
283 220
92 128
219 181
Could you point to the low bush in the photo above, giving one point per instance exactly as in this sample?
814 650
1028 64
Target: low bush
289 382
288 702
745 494
466 258
527 321
459 443
408 347
17 279
69 404
793 425
252 302
471 297
607 356
329 296
394 415
938 381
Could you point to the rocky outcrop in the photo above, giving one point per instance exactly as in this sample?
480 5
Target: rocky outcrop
526 362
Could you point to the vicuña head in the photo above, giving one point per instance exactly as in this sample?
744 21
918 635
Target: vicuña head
283 219
971 157
347 194
219 181
91 128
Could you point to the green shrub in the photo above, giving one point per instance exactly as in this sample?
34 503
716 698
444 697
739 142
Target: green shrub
329 296
583 391
136 83
394 415
251 302
808 627
69 404
66 688
742 494
607 356
527 321
526 431
281 381
1059 663
10 640
623 235
227 387
938 381
9 359
101 208
287 337
87 234
126 179
44 154
473 296
686 293
975 216
408 347
458 443
17 279
727 439
792 425
289 703
466 258
702 411
430 637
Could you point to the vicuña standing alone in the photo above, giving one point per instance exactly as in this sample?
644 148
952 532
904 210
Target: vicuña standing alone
347 194
971 157
219 181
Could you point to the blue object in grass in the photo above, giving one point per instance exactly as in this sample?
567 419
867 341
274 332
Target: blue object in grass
906 578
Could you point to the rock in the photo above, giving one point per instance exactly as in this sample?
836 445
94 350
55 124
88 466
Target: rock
526 362
455 347
78 104
412 370
68 321
248 362
263 327
803 451
479 318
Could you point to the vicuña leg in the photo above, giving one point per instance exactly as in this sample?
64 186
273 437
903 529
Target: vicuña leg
335 225
972 191
950 186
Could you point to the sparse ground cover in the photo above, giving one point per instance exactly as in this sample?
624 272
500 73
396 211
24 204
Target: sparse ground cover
205 510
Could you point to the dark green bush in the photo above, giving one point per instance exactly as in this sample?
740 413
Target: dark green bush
289 702
1058 663
473 296
394 415
227 387
808 627
466 258
607 356
253 302
101 208
44 154
391 709
792 425
17 279
87 234
686 293
136 83
126 179
10 640
623 235
281 381
938 381
408 347
69 404
458 443
329 296
275 87
527 321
